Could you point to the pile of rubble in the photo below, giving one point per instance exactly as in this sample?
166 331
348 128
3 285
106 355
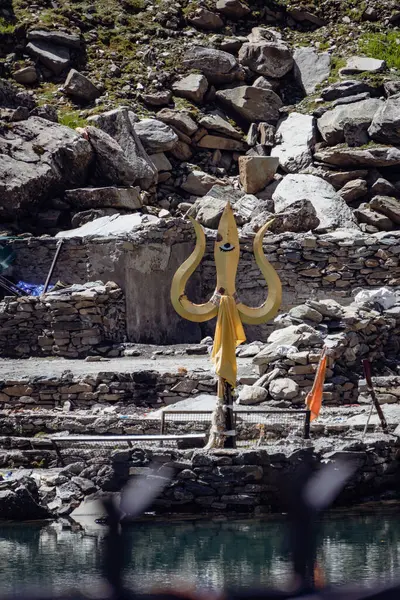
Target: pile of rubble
288 362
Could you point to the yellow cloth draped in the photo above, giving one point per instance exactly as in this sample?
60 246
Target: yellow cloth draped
314 397
229 333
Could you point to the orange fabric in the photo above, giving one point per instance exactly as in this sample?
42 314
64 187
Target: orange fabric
229 333
314 397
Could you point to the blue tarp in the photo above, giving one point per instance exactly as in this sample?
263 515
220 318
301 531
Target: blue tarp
32 289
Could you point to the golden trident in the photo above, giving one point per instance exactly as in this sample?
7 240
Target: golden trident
230 311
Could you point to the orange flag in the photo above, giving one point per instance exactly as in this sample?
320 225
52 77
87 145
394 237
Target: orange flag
314 397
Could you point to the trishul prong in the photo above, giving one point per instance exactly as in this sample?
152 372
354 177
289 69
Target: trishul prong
268 310
226 254
186 309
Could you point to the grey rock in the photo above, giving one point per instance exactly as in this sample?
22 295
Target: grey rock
106 197
178 119
208 211
370 217
252 394
302 16
60 38
311 68
362 64
351 99
392 87
220 143
193 87
295 137
205 19
354 190
162 98
374 156
267 134
298 217
383 187
328 308
304 312
360 114
55 58
122 159
214 122
19 504
256 172
155 135
266 83
12 97
269 58
331 209
387 206
45 111
216 65
80 87
199 183
253 104
26 76
233 9
85 485
38 157
385 126
343 89
284 388
161 162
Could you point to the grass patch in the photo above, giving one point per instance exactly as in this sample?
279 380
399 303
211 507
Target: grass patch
6 26
337 63
71 119
384 46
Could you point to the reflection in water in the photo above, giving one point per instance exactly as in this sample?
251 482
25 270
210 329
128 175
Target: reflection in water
241 553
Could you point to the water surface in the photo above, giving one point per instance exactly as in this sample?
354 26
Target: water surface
240 553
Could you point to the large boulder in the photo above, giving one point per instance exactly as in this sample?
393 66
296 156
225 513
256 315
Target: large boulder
251 103
106 197
296 139
387 206
178 120
341 123
127 160
57 37
343 89
39 159
205 19
298 217
385 126
373 156
12 96
19 501
362 64
233 9
331 209
218 66
252 394
215 122
155 135
269 58
311 68
193 87
256 172
284 388
199 183
80 87
55 58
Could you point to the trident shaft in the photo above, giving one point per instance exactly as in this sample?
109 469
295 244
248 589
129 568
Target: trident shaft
230 310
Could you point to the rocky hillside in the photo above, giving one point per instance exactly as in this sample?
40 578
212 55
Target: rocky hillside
162 109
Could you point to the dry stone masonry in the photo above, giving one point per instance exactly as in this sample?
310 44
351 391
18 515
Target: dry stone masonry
72 322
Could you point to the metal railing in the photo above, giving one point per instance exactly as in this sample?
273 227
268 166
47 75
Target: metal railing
279 421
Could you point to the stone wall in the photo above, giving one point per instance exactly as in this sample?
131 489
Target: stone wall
136 388
224 481
72 322
310 266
